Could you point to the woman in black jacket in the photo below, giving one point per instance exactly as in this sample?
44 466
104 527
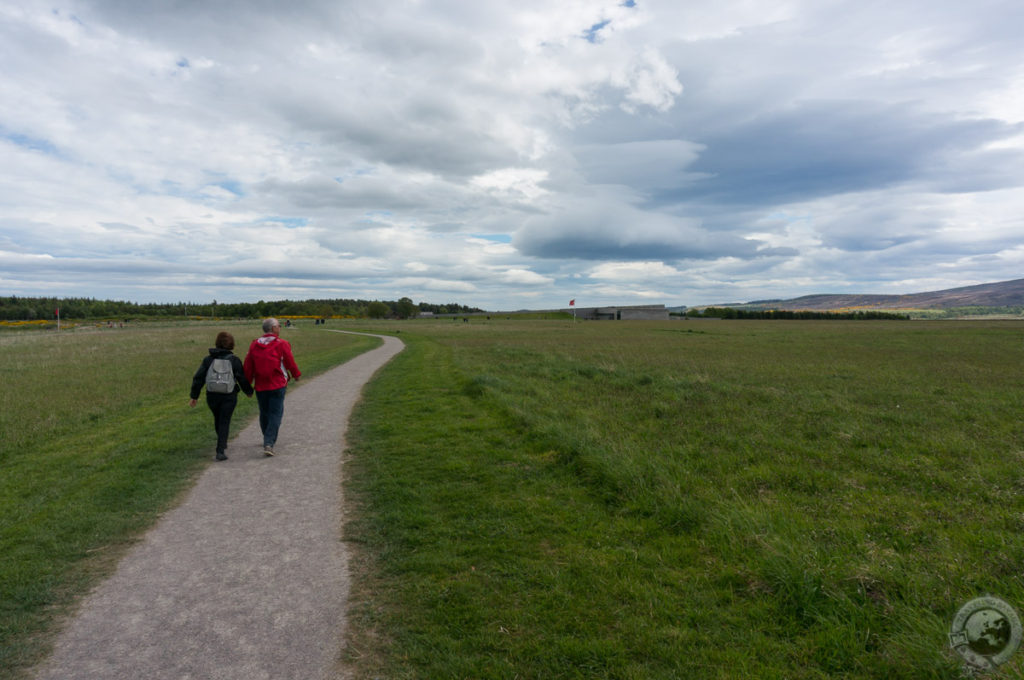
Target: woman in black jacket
222 404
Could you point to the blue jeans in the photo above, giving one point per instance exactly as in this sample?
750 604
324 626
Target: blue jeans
271 411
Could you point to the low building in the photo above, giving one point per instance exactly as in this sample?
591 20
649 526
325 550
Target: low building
628 313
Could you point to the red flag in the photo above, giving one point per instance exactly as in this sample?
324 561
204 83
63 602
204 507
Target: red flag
572 303
56 312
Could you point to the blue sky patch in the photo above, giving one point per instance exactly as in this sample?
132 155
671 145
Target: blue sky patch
591 33
497 238
27 142
231 185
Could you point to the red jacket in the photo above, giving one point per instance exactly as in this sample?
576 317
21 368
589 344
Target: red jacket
269 363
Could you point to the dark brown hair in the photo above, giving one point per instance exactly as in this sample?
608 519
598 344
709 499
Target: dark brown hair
225 340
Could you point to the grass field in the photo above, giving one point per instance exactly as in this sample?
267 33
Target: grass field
548 499
96 439
694 499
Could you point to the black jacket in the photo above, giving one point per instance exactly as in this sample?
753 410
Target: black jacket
199 379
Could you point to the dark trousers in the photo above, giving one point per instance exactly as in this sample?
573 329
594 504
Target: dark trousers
271 412
222 406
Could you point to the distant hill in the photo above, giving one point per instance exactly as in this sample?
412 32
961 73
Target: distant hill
1001 295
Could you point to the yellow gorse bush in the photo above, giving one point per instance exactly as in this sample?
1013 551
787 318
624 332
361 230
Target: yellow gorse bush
35 322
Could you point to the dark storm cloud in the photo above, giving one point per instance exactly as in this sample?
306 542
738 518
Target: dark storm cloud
594 231
823 148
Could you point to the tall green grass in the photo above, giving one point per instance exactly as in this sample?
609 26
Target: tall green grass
96 439
698 499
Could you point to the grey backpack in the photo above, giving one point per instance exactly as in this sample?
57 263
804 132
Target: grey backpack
220 377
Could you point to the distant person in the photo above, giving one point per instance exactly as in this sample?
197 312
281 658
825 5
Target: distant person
269 366
223 382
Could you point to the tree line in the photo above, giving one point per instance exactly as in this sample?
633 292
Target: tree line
733 313
13 308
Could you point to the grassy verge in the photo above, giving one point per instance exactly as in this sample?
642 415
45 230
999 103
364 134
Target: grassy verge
686 499
96 440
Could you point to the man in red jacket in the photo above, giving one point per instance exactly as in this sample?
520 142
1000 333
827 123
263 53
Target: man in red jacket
268 366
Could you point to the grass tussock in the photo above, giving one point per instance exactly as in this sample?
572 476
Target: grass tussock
96 439
686 499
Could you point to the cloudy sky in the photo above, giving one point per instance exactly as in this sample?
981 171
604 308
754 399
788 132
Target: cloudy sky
509 155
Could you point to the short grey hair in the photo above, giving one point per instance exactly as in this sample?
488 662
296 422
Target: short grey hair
268 324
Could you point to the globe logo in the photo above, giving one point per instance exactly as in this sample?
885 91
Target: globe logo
985 633
988 631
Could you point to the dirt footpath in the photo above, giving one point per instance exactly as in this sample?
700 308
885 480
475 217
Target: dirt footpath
247 578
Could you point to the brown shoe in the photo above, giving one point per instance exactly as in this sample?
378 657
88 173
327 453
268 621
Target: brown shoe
268 450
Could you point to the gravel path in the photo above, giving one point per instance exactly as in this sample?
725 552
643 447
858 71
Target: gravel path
247 578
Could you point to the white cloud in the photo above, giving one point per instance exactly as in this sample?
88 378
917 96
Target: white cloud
512 182
649 81
502 151
634 271
523 277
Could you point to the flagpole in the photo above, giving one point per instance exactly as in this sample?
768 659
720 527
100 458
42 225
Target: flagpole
58 319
